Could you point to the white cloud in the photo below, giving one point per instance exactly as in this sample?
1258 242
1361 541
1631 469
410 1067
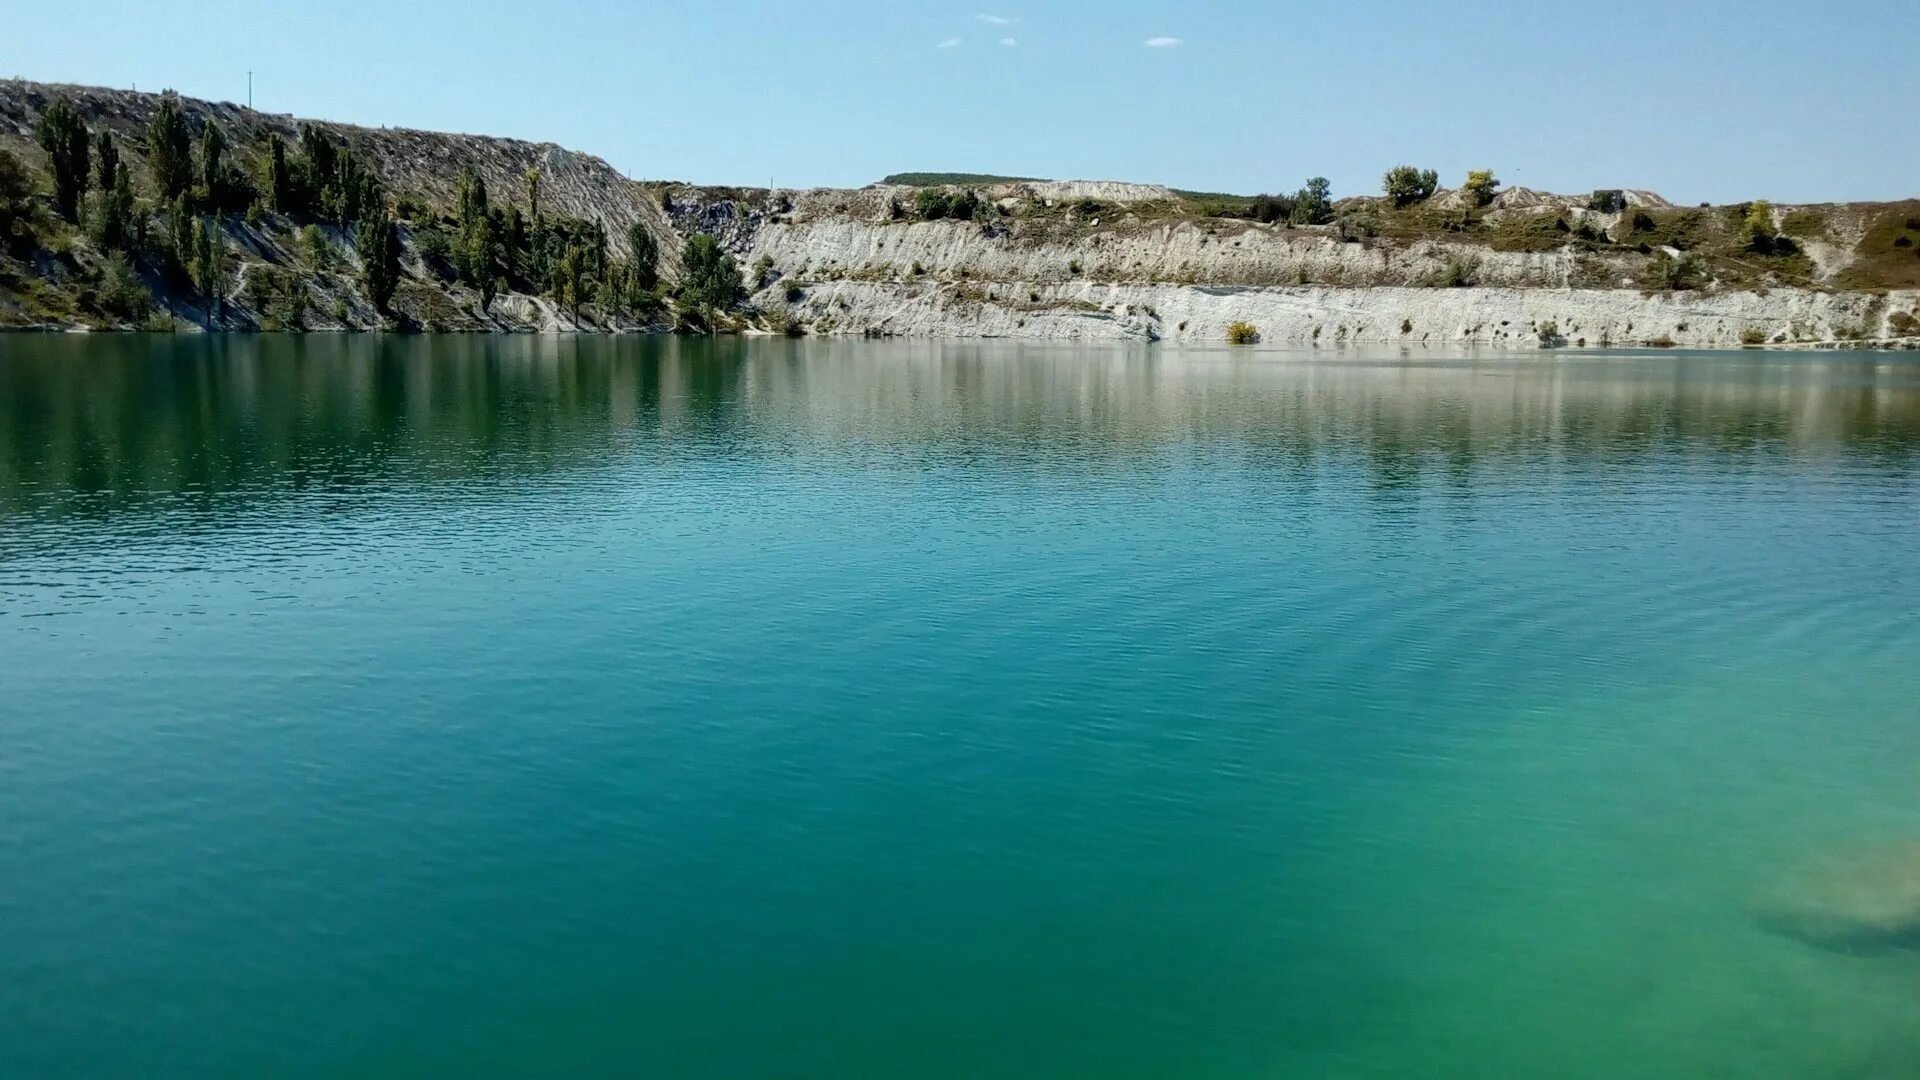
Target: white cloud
1009 42
1162 42
950 43
996 20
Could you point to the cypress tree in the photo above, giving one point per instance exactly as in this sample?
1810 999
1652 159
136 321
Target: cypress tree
274 189
113 224
181 237
210 267
645 258
169 148
469 196
279 179
378 244
64 137
106 162
213 163
14 189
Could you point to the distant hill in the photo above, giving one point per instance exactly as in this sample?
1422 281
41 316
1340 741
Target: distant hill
936 179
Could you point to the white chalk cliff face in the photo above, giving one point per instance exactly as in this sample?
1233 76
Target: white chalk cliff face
854 262
1329 316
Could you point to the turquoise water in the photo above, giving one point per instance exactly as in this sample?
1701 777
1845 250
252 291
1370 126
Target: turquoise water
678 708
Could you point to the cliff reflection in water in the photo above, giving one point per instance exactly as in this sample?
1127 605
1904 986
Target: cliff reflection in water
98 425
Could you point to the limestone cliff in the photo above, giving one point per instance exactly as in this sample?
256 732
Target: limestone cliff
1039 259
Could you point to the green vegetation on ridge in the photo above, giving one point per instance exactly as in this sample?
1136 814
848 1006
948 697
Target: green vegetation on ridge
295 227
954 179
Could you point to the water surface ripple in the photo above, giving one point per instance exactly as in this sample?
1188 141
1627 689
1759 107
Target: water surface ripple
547 706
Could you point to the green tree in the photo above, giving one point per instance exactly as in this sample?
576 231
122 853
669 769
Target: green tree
643 258
572 282
106 162
1406 185
212 166
14 189
180 253
169 148
1480 187
64 137
1313 204
377 243
477 253
113 218
276 179
291 310
533 194
712 280
318 159
212 267
469 196
480 252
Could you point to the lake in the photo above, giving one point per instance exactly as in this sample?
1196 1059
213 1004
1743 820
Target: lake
643 706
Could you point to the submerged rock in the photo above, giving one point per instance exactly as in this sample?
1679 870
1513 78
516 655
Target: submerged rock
1866 900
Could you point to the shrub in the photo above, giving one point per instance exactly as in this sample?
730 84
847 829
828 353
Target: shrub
1608 201
1073 267
1480 187
1406 185
784 324
1751 337
1460 272
433 244
932 205
1549 334
1268 209
1354 228
122 294
315 248
1756 228
1673 273
1903 324
1242 333
795 293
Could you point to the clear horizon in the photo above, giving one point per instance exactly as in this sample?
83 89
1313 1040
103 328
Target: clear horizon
1717 102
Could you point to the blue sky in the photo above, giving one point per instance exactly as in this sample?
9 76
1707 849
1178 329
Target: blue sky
1697 99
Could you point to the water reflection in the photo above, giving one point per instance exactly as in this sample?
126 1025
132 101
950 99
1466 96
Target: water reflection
104 423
